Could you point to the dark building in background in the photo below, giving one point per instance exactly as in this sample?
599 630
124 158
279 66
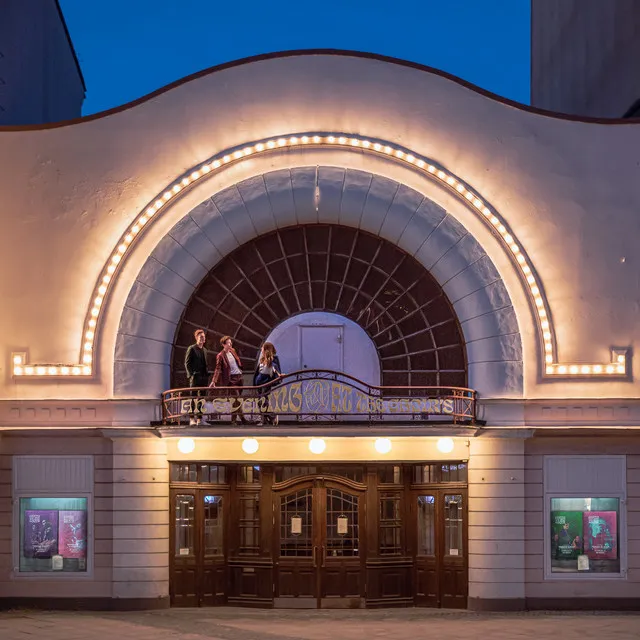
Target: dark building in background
40 78
584 57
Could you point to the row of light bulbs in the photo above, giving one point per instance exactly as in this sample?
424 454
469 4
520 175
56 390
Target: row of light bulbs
317 446
85 368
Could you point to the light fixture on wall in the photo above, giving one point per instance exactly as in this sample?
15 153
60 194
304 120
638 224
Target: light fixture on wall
317 445
250 445
445 445
186 445
490 217
382 445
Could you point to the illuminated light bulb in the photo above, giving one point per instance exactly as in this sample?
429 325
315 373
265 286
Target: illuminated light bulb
98 301
562 369
226 158
293 140
460 188
573 369
17 359
530 279
305 139
542 313
477 204
539 302
238 154
620 368
546 335
128 238
64 371
28 371
382 445
143 220
216 164
514 247
247 151
550 370
89 335
387 149
206 168
135 228
508 238
548 358
17 371
366 144
442 175
486 211
86 371
451 181
195 175
166 195
421 163
526 270
94 312
52 371
342 140
620 358
102 290
86 358
185 182
88 346
597 368
75 371
521 259
281 142
317 445
585 369
399 154
431 169
609 368
544 325
535 291
41 371
502 229
317 139
354 142
158 204
548 347
495 221
469 196
271 144
115 259
260 147
122 248
377 146
176 188
250 445
186 445
92 322
445 445
151 210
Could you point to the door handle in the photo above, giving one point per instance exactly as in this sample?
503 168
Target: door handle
315 560
322 556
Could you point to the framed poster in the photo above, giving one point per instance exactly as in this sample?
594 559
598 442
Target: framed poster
601 535
40 539
566 534
72 531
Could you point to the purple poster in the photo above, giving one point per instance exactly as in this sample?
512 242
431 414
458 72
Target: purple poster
601 535
40 533
72 527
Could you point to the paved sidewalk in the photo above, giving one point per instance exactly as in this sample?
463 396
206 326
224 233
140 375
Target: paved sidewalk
248 624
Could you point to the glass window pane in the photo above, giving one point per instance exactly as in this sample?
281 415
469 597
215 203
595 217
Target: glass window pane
296 524
53 534
249 522
390 474
213 526
426 525
390 524
249 474
184 525
343 525
453 525
585 535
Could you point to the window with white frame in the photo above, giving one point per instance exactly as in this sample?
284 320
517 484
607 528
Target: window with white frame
585 498
52 508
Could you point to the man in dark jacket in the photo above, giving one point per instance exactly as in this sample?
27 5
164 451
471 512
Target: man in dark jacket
195 362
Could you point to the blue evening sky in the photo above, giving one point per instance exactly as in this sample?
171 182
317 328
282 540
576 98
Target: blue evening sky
128 48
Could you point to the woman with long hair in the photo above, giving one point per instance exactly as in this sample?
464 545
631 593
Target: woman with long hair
266 373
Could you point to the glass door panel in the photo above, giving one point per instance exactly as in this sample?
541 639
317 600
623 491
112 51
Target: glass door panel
213 526
185 524
296 524
426 516
453 525
343 524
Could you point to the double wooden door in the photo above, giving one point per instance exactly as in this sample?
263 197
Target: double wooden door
319 528
198 547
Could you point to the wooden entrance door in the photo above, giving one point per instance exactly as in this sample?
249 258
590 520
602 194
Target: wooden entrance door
319 525
198 547
441 543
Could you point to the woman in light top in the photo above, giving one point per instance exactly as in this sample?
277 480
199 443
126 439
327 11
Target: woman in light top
228 373
267 371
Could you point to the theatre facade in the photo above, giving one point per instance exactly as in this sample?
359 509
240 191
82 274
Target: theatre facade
451 283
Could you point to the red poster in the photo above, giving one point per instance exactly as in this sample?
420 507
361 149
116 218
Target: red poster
600 530
72 531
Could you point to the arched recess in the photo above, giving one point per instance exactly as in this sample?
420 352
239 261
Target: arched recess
352 198
345 270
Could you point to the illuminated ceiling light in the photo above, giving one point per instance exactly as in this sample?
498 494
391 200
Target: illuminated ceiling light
226 159
597 368
102 290
216 164
116 258
166 196
186 445
477 203
382 445
195 175
431 169
366 144
238 154
86 358
620 358
445 445
135 228
620 368
609 368
250 445
399 154
122 248
421 163
573 369
387 149
92 322
88 346
95 312
460 188
17 371
176 188
205 168
18 359
354 142
342 140
293 140
548 358
317 445
442 175
185 182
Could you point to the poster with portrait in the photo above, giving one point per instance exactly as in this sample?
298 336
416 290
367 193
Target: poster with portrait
40 533
72 526
566 532
601 535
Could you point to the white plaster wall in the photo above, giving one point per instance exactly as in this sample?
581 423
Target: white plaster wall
567 189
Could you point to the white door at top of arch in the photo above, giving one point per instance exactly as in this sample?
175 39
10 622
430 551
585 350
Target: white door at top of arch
322 340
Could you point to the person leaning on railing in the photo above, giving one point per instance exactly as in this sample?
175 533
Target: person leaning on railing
267 370
195 362
228 373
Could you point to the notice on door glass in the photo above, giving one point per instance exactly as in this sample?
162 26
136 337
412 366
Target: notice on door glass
342 525
184 551
583 563
296 525
453 552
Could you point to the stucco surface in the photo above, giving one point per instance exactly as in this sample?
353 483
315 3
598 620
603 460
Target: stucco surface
567 189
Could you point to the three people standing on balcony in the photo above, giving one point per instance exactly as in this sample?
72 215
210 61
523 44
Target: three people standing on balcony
267 371
195 362
228 373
